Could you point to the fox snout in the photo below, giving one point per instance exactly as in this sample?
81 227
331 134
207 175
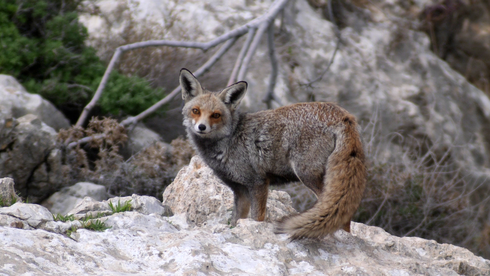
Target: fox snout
201 128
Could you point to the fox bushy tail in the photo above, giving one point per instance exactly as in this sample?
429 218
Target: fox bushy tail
344 184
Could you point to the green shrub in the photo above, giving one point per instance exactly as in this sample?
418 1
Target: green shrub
43 46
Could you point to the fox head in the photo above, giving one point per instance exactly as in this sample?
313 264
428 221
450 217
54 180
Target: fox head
209 114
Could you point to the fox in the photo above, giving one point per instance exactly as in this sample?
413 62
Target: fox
315 143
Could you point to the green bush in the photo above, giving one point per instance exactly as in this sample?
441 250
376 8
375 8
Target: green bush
42 45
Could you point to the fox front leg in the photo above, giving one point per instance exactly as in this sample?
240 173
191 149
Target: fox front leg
241 202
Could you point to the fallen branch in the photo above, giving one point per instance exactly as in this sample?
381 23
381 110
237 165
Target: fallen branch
241 55
203 69
263 21
246 54
274 69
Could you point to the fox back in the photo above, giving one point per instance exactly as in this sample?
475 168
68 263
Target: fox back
317 144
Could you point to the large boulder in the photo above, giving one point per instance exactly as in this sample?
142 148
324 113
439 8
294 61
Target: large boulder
383 70
67 198
139 138
201 197
30 157
17 102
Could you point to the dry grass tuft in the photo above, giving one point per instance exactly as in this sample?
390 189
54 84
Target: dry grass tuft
424 193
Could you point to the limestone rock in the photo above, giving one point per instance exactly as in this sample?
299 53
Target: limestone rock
31 158
203 197
144 242
67 198
17 102
139 138
143 204
150 245
90 207
34 215
7 191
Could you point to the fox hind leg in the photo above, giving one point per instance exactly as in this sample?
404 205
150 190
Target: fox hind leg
258 196
309 177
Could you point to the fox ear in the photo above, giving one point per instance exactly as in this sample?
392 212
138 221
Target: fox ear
189 84
234 93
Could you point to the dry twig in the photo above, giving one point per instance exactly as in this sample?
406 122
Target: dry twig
261 22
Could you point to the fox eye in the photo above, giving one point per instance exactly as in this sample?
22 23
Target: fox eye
195 111
216 115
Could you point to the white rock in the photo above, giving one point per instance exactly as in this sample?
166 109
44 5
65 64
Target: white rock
150 245
34 215
17 102
65 200
203 197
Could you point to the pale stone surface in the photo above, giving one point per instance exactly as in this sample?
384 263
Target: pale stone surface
67 198
143 204
17 102
7 191
139 138
202 197
150 245
34 215
143 242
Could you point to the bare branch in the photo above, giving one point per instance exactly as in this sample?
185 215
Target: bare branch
98 93
240 57
84 140
168 98
251 50
268 17
272 54
337 33
203 69
230 38
276 7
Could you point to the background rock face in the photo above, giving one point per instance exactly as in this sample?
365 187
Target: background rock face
386 68
384 71
28 130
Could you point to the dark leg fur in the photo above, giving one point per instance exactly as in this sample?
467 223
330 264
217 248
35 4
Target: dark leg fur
242 202
259 201
347 226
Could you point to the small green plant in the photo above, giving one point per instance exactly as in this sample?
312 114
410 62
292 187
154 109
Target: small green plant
4 202
126 206
89 222
60 217
72 230
43 46
94 225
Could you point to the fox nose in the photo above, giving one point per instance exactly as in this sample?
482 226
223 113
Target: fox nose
202 127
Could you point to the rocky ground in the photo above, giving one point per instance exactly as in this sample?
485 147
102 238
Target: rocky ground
197 240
